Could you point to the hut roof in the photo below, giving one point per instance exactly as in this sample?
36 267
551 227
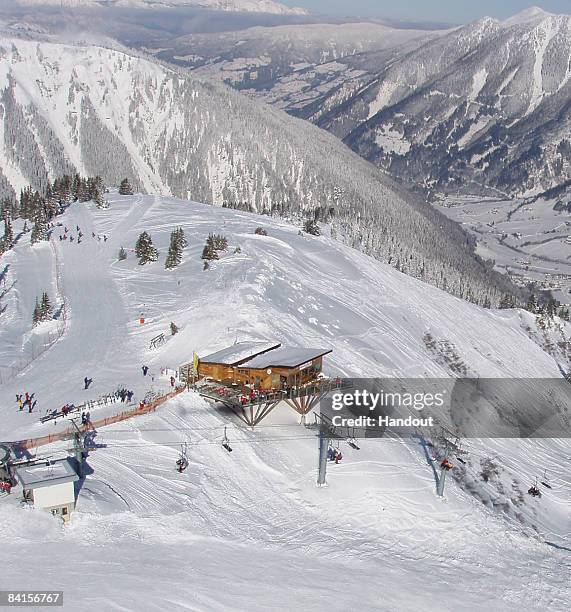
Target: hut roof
46 474
286 357
239 353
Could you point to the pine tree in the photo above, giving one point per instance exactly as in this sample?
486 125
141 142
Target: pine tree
260 231
8 239
551 307
122 254
209 252
99 200
125 187
174 256
532 304
40 230
311 227
45 307
181 238
37 316
145 250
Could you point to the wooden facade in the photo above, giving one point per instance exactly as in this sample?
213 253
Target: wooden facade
268 369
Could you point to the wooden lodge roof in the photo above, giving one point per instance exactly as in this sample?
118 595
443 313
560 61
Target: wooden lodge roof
239 353
262 355
286 357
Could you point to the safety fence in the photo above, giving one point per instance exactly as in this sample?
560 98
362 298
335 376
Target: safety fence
93 425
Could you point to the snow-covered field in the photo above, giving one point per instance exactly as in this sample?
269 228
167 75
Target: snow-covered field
249 530
527 239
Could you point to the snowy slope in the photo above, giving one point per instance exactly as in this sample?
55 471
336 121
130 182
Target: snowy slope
174 134
294 289
147 537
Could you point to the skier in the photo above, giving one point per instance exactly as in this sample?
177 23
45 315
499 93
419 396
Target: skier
331 454
28 400
145 370
87 382
172 381
65 410
20 403
129 396
446 465
338 456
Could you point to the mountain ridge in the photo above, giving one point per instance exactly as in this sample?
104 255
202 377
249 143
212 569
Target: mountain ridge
262 6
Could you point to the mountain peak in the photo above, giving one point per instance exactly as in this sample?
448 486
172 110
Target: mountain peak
530 14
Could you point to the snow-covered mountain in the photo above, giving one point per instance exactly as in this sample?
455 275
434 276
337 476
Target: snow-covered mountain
258 507
254 6
100 111
483 107
258 58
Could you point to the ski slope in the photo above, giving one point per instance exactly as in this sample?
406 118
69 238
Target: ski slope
249 530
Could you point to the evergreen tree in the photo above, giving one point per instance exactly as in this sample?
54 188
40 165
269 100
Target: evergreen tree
260 231
8 239
311 227
551 308
46 309
531 304
174 256
37 316
145 250
181 238
40 230
122 254
125 187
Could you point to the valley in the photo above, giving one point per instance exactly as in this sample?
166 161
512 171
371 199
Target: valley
529 241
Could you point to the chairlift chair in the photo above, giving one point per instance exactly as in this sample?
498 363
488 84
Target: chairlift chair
352 442
182 461
534 490
226 442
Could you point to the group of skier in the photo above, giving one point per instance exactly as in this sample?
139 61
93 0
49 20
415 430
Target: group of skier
24 400
79 238
124 395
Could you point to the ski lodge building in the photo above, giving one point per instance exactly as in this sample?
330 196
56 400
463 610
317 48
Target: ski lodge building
265 365
50 486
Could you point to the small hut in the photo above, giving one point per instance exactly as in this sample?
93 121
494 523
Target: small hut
50 486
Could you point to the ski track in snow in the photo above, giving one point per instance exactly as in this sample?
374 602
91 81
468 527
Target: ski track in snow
249 530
